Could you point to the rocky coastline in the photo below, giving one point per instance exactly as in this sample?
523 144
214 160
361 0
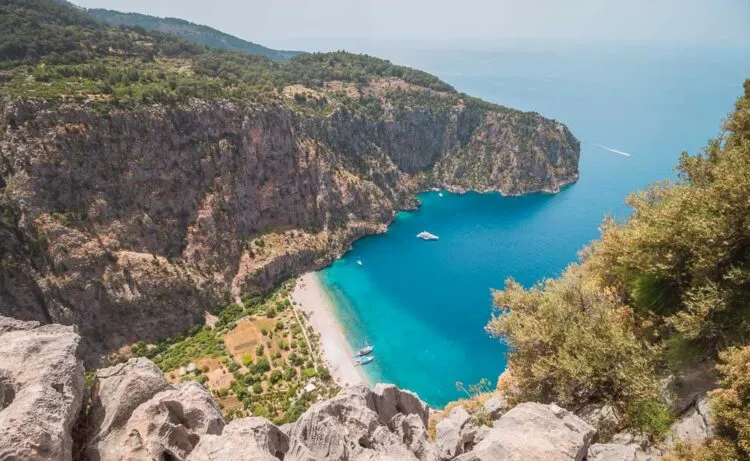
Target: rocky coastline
134 223
130 412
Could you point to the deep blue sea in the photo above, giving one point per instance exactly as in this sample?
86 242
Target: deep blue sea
424 305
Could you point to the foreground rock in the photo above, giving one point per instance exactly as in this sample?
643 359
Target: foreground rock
135 414
612 452
41 388
364 424
532 431
250 439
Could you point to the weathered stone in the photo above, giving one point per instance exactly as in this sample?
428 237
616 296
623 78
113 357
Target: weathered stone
611 452
8 324
449 433
250 439
495 406
135 414
684 389
413 433
41 388
604 418
534 432
695 424
389 400
354 426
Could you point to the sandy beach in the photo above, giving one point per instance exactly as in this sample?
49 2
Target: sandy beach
313 301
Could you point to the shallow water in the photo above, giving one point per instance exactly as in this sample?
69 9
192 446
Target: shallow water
423 305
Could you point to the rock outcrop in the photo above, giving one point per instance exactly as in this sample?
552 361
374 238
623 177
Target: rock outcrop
41 389
361 424
133 223
136 414
611 452
532 431
250 439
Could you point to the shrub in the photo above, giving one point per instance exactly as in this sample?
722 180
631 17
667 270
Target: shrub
261 366
650 416
275 377
257 388
309 372
572 343
247 360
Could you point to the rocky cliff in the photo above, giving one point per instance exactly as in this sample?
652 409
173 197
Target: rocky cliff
132 223
145 180
130 412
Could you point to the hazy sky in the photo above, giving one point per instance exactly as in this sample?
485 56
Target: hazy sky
290 23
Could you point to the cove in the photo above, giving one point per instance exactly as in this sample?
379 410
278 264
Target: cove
424 305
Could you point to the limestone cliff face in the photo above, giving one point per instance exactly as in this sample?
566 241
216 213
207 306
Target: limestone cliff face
132 223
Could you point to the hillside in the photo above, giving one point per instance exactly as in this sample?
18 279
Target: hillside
147 180
186 30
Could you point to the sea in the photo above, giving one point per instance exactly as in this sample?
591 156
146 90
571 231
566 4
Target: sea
424 305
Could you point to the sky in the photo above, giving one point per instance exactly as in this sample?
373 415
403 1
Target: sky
299 23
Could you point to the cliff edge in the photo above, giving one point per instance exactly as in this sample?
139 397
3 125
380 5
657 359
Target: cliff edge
149 180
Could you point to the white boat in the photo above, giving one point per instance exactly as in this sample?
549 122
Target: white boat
359 261
440 194
424 235
364 351
365 360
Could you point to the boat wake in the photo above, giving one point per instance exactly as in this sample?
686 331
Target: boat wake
611 150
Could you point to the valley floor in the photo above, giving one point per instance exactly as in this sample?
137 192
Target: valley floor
312 300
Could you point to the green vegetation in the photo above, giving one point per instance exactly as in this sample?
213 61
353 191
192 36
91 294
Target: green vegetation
51 51
55 44
667 288
196 33
245 373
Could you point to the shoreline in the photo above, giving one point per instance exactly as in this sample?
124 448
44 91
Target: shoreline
313 301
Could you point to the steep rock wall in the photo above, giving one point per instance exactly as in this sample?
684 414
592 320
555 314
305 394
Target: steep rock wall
132 223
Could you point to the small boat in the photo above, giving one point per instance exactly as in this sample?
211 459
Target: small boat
424 235
359 261
440 194
365 360
364 351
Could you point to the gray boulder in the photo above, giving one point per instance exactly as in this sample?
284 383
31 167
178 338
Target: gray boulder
531 432
387 401
360 424
250 439
495 406
451 435
41 389
413 433
604 418
611 452
695 424
136 414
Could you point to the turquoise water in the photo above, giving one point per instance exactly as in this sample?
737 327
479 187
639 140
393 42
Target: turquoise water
423 305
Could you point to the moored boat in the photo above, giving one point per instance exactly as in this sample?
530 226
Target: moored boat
424 235
365 360
364 351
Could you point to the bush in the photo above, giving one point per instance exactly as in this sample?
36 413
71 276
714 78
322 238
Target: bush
247 360
309 373
261 366
572 343
257 388
651 417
